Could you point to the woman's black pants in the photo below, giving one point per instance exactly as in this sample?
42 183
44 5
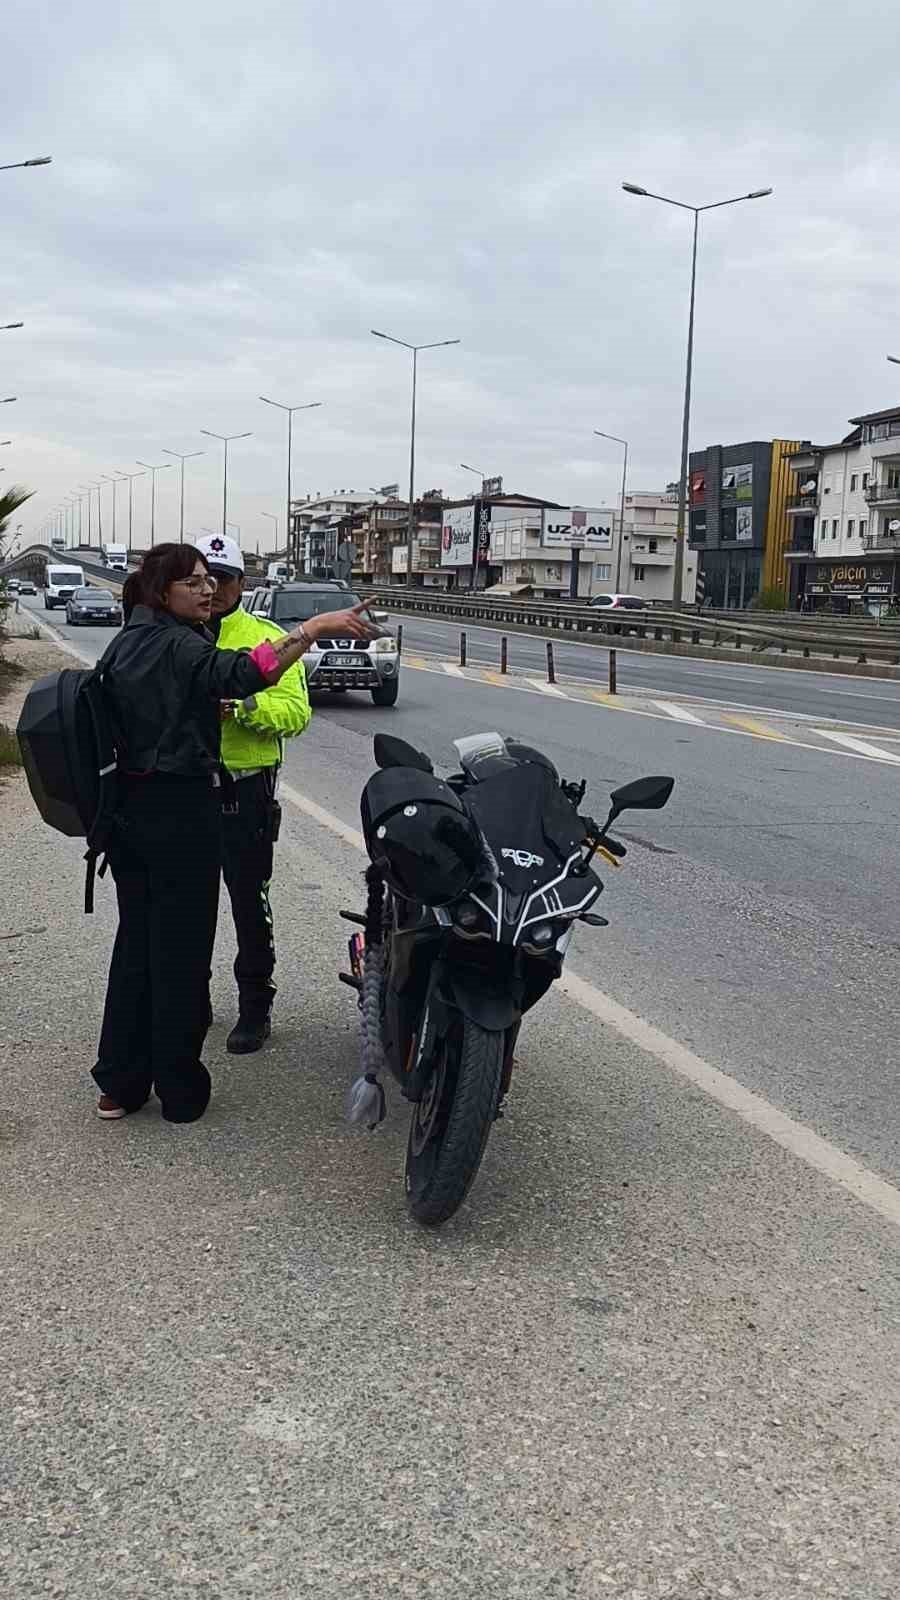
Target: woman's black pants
166 859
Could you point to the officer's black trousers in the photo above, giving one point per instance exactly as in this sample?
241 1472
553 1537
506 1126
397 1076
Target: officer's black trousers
166 859
247 828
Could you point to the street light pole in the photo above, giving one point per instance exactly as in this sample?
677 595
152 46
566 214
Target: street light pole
115 483
716 205
36 161
182 457
86 489
411 516
131 477
313 405
97 486
616 440
226 439
162 467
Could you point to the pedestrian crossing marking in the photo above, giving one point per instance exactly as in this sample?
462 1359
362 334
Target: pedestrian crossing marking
678 713
715 720
860 746
547 688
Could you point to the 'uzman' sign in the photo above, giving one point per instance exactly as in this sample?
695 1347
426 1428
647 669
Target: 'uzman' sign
579 527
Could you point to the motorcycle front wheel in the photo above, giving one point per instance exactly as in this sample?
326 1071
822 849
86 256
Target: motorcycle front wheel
451 1123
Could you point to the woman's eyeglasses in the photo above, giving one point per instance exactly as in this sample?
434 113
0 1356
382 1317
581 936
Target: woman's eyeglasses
207 585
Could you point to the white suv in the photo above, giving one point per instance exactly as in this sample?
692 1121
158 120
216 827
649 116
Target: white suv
335 665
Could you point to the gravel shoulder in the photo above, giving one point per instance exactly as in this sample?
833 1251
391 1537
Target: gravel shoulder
652 1357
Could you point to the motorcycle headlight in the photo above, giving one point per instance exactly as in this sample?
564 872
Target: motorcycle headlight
384 647
470 921
538 941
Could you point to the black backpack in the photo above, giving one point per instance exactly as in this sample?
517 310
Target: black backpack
68 749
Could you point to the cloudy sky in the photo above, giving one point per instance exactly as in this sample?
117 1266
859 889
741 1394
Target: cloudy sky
240 192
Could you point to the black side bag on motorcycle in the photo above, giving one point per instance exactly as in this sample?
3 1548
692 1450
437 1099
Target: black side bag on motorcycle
420 838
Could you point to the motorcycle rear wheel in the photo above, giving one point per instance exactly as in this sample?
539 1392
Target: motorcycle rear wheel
450 1124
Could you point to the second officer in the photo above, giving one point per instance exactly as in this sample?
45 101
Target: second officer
253 735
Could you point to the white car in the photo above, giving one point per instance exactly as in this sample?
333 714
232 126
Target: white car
619 602
336 665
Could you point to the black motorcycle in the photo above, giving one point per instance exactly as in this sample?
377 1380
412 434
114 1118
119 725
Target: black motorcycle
474 889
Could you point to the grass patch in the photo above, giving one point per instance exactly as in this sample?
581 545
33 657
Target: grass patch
10 754
9 672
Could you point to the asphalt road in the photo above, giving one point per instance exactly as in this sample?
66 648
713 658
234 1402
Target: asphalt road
865 700
654 1356
757 918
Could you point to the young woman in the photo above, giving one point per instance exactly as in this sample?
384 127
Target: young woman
166 682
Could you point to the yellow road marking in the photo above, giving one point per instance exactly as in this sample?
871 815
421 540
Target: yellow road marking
743 727
604 699
760 730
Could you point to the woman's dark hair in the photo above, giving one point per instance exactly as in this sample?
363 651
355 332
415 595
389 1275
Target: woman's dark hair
162 565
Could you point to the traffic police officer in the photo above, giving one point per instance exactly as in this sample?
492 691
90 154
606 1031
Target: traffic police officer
253 733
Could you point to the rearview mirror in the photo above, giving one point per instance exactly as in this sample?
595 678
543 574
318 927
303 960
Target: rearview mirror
645 794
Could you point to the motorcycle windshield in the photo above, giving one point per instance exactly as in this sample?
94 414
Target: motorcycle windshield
529 824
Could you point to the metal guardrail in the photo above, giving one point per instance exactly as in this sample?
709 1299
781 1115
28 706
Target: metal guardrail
656 626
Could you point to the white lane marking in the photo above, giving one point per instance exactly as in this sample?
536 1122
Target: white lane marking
703 702
856 694
679 713
795 1137
699 664
783 1130
547 688
86 661
451 670
859 746
538 686
325 819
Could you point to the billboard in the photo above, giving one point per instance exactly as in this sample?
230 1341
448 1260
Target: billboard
458 536
737 482
577 526
744 525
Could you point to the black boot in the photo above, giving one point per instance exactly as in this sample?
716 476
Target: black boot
252 1029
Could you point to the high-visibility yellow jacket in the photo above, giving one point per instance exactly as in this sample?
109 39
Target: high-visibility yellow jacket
253 737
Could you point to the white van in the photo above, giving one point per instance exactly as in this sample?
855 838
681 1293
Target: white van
62 581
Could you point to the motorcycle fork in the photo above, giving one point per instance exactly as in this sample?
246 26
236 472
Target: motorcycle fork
509 1062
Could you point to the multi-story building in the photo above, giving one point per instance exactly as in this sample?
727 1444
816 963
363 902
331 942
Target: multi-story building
314 525
380 532
845 510
739 526
647 565
525 542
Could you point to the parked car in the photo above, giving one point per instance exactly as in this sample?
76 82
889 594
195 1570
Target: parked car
619 602
335 665
27 587
93 605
